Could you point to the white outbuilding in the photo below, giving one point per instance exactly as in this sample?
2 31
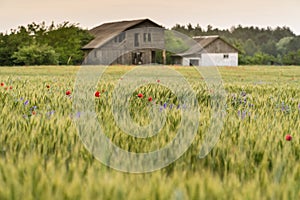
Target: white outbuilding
208 51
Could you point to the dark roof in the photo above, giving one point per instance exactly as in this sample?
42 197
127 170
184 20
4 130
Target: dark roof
202 43
108 31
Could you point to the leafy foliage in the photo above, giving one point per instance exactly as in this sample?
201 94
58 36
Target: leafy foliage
174 43
63 41
36 55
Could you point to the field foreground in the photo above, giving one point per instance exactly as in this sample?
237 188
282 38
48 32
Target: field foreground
42 156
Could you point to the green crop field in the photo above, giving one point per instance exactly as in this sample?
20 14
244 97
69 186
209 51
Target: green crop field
42 156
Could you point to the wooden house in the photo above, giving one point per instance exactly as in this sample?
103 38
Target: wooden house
208 51
132 42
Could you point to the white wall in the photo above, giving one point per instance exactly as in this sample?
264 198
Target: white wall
217 59
214 59
186 61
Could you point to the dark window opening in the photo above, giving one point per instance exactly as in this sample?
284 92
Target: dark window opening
153 57
137 58
194 62
122 37
136 40
147 37
225 56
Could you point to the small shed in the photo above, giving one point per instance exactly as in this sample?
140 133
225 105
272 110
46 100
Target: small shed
208 51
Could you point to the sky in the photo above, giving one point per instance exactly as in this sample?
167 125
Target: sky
221 14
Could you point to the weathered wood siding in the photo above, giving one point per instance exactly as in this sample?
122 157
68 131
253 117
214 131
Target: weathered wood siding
123 50
219 46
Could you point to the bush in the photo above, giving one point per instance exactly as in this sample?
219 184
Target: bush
36 55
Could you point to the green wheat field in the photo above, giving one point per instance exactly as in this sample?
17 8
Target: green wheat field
42 156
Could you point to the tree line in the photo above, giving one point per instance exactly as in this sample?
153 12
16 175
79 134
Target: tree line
38 44
259 46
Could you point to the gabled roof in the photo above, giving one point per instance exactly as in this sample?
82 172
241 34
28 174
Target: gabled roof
202 43
108 31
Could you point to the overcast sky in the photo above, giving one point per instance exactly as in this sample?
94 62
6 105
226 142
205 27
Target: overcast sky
90 13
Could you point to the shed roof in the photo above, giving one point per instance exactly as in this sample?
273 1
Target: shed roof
108 31
202 43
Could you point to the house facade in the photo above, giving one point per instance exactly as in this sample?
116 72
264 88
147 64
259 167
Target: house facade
134 42
208 51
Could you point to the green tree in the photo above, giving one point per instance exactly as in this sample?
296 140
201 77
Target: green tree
35 55
175 42
294 44
283 44
269 48
10 43
292 58
250 47
67 40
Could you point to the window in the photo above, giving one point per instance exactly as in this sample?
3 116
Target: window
147 37
122 37
225 56
136 40
194 62
137 58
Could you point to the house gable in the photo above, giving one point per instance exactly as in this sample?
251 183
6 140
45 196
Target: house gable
219 46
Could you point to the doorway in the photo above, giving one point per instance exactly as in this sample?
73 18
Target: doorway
137 58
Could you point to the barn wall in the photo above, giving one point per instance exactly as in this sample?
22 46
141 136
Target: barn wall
122 50
157 38
126 58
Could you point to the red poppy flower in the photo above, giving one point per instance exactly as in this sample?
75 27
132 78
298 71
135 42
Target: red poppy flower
150 99
140 95
288 137
10 87
2 84
97 94
33 112
48 86
158 81
68 92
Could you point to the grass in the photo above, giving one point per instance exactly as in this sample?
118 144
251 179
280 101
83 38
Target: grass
42 156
